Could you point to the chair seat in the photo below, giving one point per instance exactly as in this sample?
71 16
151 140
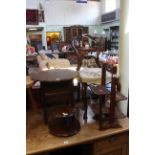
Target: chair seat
90 75
58 63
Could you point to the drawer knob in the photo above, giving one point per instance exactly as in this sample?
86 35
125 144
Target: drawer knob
113 138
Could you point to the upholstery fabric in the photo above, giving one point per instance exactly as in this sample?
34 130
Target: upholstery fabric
90 75
58 63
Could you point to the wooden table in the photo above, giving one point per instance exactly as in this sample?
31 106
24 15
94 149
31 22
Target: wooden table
56 86
54 75
40 140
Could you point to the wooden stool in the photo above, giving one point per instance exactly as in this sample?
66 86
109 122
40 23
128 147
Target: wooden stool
115 96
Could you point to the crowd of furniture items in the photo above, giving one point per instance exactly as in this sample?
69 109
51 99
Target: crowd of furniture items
91 72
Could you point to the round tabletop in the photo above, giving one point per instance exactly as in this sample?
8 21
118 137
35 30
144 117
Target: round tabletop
54 75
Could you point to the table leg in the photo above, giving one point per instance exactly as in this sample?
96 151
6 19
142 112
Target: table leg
32 100
79 63
78 91
84 98
100 112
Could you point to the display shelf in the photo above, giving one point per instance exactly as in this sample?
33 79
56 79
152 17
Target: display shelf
114 37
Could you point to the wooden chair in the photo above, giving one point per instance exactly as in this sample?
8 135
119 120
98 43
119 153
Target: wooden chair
113 92
55 92
87 75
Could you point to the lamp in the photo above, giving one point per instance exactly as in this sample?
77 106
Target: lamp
103 34
95 31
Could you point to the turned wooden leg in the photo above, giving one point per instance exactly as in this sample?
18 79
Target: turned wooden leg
100 112
78 91
101 104
32 100
72 96
84 98
45 114
97 62
79 64
113 101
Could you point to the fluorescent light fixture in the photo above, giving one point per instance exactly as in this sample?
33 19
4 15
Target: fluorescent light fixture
95 31
33 29
103 32
81 1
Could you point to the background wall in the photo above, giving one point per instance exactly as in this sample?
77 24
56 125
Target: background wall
60 13
67 12
109 5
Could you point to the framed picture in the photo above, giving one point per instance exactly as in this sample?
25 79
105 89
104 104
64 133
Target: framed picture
32 17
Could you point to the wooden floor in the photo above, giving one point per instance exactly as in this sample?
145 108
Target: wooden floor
40 140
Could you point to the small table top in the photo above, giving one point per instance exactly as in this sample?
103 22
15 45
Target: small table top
54 75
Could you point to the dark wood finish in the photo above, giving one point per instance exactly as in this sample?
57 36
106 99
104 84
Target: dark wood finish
82 53
67 35
29 84
32 17
56 92
115 96
112 145
74 32
39 140
64 123
64 127
56 87
84 98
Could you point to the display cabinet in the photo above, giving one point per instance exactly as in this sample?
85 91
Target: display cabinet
114 37
74 32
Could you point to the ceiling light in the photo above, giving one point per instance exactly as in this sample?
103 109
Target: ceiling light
33 29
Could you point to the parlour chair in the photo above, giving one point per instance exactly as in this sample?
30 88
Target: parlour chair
55 93
108 93
89 72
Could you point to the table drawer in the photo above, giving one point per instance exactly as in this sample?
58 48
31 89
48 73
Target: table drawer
112 140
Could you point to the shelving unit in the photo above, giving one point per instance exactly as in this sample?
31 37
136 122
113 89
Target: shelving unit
74 32
114 37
